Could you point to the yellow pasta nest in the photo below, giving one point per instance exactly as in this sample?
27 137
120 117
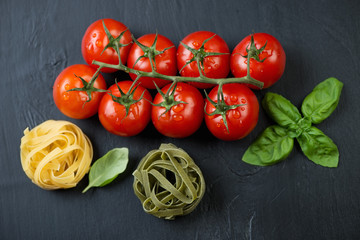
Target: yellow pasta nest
55 154
168 182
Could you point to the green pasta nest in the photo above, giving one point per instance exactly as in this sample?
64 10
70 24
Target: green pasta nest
168 182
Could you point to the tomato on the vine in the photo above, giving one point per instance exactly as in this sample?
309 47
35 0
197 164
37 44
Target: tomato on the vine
165 62
241 120
216 66
95 40
183 119
112 114
272 59
75 104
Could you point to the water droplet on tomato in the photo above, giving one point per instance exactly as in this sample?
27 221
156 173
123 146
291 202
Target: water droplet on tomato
165 116
222 121
243 100
196 44
242 109
236 114
261 70
178 117
233 98
208 69
66 96
67 87
90 48
218 125
179 88
98 43
178 108
94 35
210 60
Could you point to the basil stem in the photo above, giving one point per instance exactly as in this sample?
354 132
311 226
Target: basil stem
108 167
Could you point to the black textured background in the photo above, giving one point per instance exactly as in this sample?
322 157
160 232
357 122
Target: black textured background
295 199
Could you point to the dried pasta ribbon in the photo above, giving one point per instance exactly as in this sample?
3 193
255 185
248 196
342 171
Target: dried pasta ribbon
55 154
168 182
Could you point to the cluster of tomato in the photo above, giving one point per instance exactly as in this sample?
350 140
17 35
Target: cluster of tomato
184 118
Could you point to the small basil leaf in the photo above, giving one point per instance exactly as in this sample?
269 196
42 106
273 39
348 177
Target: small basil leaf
108 167
272 146
322 101
318 147
281 110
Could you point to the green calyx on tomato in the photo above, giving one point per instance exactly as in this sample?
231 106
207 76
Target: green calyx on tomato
253 52
169 98
149 52
88 87
127 99
221 107
114 42
199 55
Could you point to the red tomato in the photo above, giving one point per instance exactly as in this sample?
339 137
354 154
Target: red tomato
95 40
72 103
241 120
268 71
165 62
214 66
181 120
112 114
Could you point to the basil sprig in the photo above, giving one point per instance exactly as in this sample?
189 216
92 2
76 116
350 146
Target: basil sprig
277 141
108 167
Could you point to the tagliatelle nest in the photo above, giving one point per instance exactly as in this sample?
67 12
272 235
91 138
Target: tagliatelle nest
55 154
168 182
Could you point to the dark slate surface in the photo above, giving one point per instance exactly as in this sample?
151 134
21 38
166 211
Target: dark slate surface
295 199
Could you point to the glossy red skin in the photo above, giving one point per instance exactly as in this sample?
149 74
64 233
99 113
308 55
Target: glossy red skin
165 63
214 66
72 103
269 71
182 120
241 121
112 114
95 40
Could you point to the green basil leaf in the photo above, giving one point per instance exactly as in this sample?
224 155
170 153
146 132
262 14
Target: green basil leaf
281 110
318 147
322 101
272 146
108 167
